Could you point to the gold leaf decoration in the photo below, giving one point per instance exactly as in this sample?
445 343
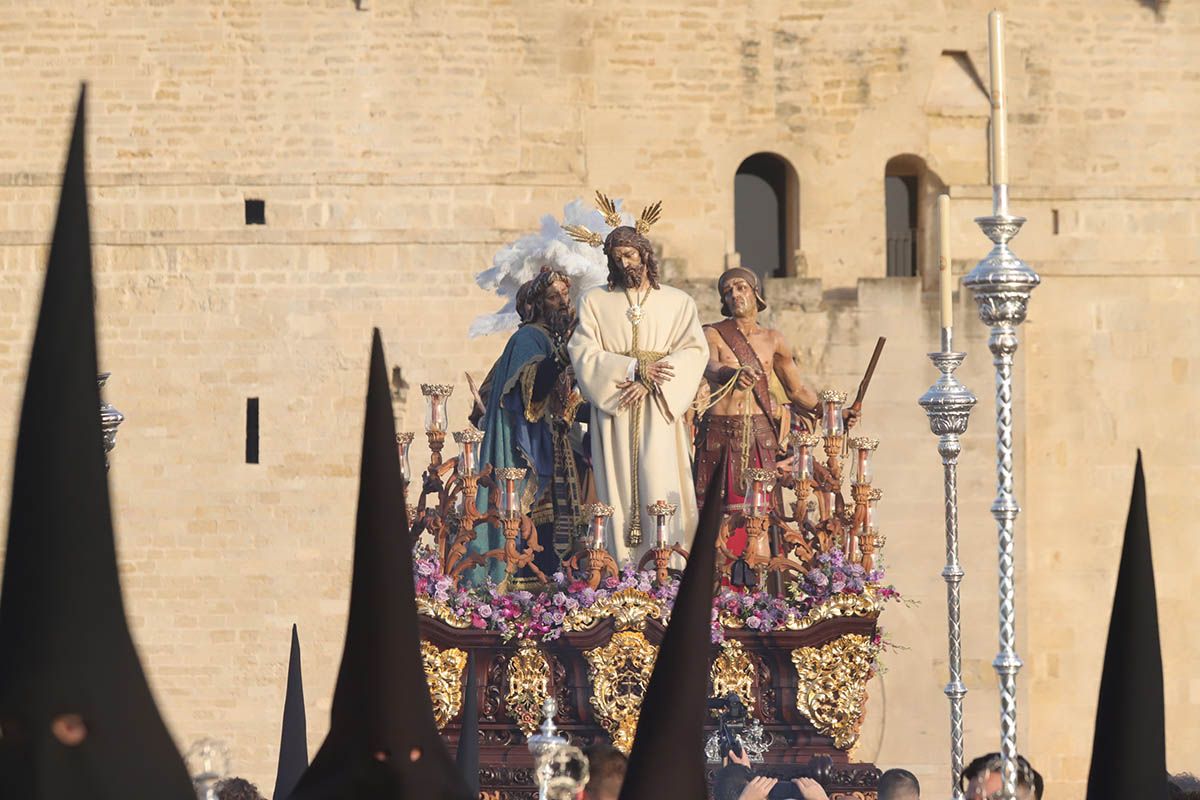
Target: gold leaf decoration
619 672
832 686
444 674
528 686
629 609
733 671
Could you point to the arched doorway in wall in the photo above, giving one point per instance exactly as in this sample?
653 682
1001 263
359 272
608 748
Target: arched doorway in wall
766 201
902 190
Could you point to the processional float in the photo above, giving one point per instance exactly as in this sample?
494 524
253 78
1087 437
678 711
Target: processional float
581 644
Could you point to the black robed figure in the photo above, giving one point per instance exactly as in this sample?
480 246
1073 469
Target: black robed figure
77 719
382 740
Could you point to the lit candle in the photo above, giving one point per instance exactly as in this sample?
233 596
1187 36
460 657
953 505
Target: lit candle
945 283
999 106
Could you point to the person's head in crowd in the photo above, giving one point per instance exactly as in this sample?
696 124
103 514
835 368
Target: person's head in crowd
237 789
899 784
606 772
983 779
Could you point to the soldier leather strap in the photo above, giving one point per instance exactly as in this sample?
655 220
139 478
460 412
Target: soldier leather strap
729 333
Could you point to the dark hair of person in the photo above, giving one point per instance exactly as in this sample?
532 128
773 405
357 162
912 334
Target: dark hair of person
896 782
606 772
1026 775
626 236
237 789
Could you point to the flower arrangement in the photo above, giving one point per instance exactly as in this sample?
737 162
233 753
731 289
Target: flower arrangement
540 614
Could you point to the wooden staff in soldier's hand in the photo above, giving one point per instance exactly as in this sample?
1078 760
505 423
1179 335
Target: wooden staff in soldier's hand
855 409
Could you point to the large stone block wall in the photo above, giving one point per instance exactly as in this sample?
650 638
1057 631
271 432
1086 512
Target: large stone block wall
397 148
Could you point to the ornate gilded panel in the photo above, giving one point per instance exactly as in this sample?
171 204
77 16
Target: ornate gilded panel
832 687
528 687
444 673
619 672
733 671
629 609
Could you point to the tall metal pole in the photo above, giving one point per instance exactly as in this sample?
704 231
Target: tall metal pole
1001 284
948 404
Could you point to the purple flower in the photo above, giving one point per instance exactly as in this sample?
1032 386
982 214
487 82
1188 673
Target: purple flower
484 611
753 622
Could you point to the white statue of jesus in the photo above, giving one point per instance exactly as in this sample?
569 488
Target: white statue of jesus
639 353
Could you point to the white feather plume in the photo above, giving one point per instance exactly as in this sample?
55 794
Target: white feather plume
516 263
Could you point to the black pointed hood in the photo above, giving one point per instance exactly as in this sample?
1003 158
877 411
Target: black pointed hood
667 759
65 649
293 738
381 711
1129 746
467 755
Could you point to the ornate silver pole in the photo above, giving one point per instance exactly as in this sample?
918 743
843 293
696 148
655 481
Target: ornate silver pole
110 419
1002 283
948 404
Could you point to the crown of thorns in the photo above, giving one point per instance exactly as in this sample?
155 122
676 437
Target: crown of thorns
612 218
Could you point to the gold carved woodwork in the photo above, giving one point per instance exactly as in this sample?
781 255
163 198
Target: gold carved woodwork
733 671
528 687
629 609
619 672
444 674
832 686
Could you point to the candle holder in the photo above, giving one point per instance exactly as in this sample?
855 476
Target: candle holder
437 398
759 484
803 473
520 535
599 561
864 447
468 441
834 428
1001 284
870 539
404 441
660 554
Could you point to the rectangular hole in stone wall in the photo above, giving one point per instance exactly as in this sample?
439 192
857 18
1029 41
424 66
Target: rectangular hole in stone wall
256 212
1054 221
251 430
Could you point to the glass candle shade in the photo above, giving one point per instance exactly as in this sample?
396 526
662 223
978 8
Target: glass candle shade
864 449
758 491
598 528
437 399
404 442
871 503
802 459
831 412
468 456
510 506
662 511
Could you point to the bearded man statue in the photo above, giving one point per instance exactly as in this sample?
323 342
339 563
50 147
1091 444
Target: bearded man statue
530 407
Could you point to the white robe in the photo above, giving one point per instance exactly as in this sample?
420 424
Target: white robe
604 333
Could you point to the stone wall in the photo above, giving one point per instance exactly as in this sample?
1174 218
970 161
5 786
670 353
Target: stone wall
398 147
